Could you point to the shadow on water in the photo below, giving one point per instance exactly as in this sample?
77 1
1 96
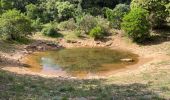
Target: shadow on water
54 89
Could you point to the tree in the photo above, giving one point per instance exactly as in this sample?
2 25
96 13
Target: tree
14 25
136 25
32 11
17 4
156 8
116 15
168 9
65 10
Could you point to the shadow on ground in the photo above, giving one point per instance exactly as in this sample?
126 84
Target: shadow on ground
26 87
160 36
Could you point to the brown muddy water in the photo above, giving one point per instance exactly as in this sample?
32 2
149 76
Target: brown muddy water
80 62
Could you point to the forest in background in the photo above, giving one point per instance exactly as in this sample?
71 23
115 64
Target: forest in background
91 17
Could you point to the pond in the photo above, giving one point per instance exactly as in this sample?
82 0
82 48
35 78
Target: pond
80 62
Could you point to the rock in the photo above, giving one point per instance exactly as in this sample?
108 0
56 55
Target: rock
71 41
109 43
97 42
51 45
39 48
31 48
79 42
25 65
127 60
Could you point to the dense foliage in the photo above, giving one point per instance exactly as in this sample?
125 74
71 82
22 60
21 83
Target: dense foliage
14 25
157 10
80 16
116 15
97 32
135 24
50 31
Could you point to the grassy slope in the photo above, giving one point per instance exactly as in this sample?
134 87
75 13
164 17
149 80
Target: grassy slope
145 86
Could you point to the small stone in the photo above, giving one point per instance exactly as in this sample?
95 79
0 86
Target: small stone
127 60
97 42
71 41
25 65
109 43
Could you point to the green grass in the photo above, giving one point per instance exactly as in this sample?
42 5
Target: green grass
24 87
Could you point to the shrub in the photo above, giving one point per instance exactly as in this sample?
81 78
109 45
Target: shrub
136 25
32 11
36 24
168 10
50 31
156 8
68 25
65 10
104 24
14 25
87 23
97 32
116 15
78 33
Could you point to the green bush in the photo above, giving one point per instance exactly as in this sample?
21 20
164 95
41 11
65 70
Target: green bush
104 24
78 33
36 24
156 8
65 10
136 25
97 33
168 10
116 15
14 25
87 23
67 25
32 11
50 31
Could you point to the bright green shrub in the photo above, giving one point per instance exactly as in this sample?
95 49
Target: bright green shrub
136 25
97 33
14 25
